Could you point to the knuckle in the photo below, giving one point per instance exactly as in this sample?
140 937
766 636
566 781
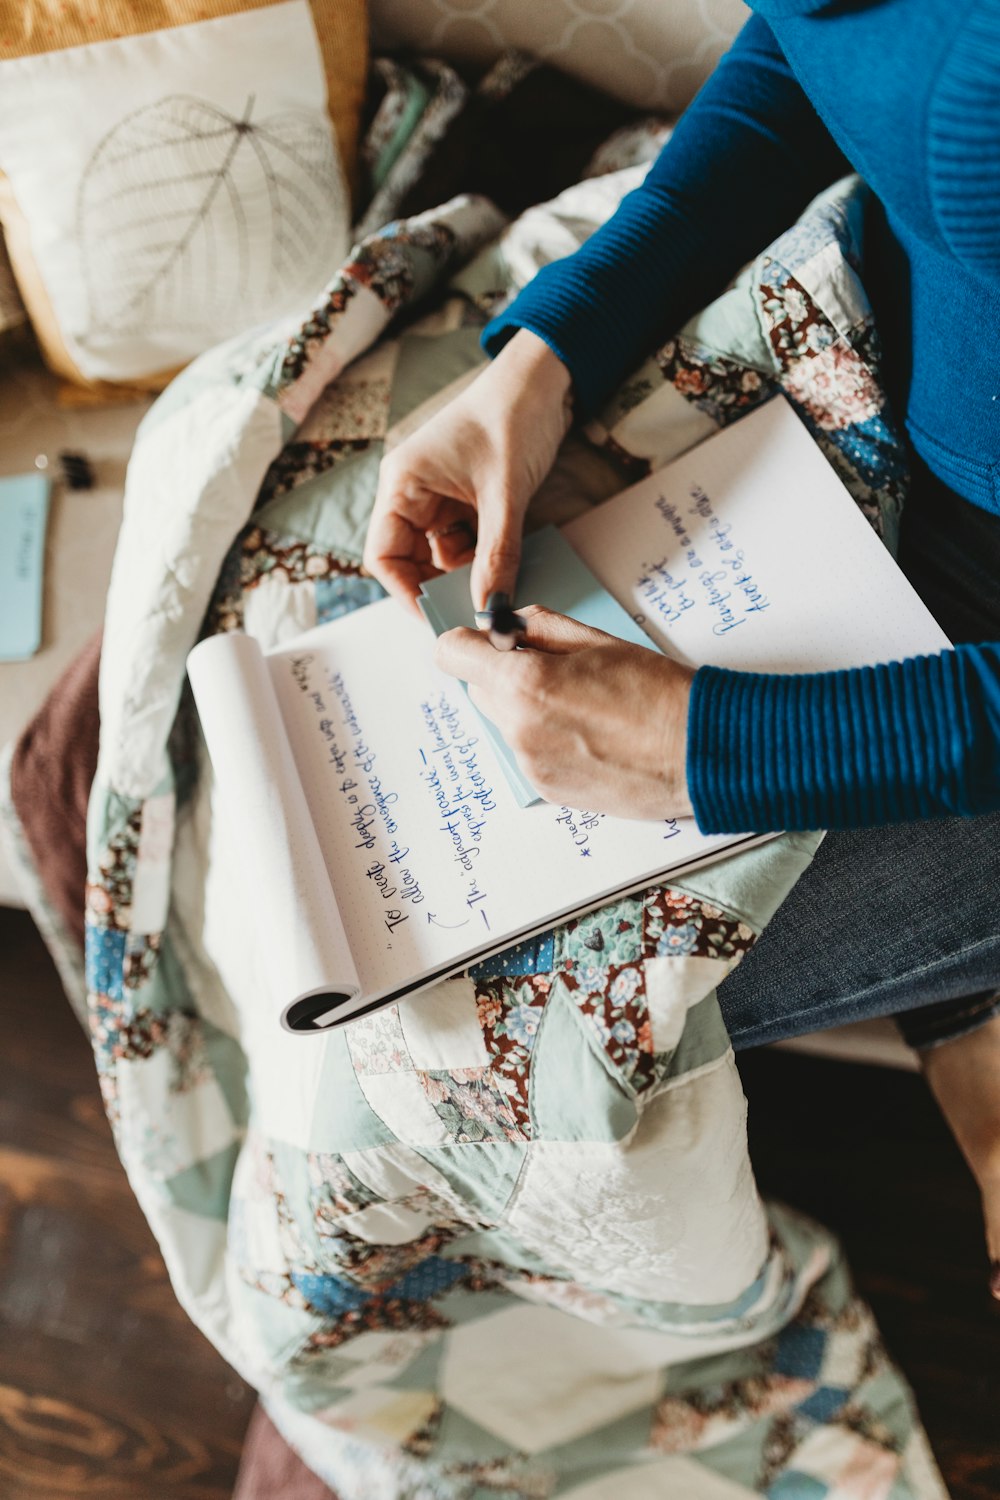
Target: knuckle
370 556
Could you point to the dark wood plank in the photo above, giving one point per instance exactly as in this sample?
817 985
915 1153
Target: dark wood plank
106 1387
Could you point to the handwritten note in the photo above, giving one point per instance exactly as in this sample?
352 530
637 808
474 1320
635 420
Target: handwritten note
368 804
413 824
462 793
712 571
428 854
748 552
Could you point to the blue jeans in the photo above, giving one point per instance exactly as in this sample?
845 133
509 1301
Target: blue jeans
902 920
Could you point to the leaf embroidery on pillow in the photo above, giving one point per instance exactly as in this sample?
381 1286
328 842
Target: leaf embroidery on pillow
191 218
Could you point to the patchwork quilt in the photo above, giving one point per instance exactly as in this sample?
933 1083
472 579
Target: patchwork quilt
503 1238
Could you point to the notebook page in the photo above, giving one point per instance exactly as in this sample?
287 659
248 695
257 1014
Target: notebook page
431 859
748 552
271 842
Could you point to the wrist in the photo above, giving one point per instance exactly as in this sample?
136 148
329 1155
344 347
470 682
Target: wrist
537 371
675 750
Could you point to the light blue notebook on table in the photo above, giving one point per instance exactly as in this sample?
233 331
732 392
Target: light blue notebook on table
552 574
24 509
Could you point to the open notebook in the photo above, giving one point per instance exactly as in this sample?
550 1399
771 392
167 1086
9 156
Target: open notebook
366 809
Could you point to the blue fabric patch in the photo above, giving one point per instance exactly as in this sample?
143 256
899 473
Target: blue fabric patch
873 449
423 1282
343 593
534 956
105 961
329 1295
800 1352
824 1404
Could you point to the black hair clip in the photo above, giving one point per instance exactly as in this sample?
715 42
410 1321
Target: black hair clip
77 471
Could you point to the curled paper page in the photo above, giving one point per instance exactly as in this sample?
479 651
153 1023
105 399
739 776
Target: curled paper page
306 953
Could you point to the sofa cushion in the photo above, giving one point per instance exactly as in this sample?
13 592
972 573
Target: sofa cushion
646 52
174 172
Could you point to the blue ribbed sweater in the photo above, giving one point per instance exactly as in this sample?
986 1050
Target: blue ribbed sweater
907 92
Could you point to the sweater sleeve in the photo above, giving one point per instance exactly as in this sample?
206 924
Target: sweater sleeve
895 743
745 158
963 127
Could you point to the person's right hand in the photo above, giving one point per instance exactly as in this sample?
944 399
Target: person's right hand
457 489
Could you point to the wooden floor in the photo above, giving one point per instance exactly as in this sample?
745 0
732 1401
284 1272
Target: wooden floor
865 1151
107 1390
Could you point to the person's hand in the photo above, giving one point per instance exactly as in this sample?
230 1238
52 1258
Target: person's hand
593 721
456 490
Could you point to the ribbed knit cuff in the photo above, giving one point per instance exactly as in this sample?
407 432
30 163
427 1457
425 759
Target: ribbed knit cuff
602 308
886 744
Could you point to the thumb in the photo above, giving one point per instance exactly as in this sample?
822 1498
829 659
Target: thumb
498 551
560 634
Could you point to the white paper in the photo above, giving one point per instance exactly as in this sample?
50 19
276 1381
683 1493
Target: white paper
748 552
271 842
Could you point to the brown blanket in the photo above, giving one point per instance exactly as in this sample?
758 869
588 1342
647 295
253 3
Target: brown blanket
269 1468
51 772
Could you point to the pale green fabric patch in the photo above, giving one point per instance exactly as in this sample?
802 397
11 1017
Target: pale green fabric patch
482 1174
343 1119
729 326
306 512
205 1187
595 1107
704 1039
427 363
753 883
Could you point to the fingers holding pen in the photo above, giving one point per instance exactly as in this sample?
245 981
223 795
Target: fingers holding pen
593 721
511 688
469 655
493 678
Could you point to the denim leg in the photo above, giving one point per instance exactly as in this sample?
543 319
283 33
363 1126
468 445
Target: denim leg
933 1024
885 921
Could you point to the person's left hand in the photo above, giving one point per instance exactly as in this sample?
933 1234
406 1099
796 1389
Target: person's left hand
594 722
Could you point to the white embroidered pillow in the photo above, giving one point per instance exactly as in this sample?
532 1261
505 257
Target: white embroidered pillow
168 186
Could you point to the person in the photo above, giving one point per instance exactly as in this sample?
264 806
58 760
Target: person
900 911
